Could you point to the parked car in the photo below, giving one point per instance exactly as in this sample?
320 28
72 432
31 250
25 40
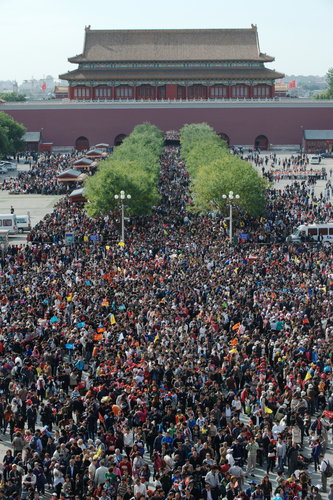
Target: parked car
3 170
315 160
327 155
8 165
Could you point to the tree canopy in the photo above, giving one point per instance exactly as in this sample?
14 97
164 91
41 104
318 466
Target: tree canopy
11 134
134 168
214 172
327 94
12 97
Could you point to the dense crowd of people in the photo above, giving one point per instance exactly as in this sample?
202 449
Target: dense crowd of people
177 367
41 177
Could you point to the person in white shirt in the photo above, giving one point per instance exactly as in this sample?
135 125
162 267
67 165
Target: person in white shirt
100 473
92 469
140 487
128 440
229 457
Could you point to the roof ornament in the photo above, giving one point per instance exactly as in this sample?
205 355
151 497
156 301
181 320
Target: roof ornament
254 26
87 28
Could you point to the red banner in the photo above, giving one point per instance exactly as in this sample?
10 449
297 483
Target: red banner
328 413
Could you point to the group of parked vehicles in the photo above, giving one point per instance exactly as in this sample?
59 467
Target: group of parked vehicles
15 223
12 224
7 166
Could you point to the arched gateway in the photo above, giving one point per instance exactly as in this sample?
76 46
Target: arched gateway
261 142
81 143
119 139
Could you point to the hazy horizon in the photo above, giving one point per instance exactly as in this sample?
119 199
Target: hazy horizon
37 41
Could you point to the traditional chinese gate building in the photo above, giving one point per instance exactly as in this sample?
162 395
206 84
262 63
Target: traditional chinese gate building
177 64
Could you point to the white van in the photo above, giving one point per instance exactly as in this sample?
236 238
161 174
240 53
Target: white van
314 160
8 222
23 223
312 232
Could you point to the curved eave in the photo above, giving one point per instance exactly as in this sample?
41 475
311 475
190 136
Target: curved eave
157 74
82 59
266 58
77 59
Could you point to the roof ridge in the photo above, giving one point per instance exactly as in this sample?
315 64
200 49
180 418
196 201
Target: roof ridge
166 30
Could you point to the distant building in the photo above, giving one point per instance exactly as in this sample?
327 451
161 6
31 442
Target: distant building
194 64
318 141
32 141
281 89
61 91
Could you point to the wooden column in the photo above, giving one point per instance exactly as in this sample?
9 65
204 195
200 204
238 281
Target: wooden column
250 92
134 92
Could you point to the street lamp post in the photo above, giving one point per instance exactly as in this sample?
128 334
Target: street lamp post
122 196
230 197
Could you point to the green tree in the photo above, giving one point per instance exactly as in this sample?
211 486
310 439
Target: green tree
195 133
126 175
12 97
134 168
214 172
203 153
11 134
327 94
222 176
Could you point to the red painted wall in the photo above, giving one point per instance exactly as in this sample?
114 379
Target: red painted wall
281 125
171 91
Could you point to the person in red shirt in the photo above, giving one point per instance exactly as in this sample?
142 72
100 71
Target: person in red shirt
125 466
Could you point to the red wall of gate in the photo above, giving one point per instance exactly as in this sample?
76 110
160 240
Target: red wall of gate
281 125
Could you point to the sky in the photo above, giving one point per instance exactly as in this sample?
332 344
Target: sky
37 36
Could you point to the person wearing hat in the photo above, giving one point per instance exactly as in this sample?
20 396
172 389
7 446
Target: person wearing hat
258 493
232 488
18 443
251 488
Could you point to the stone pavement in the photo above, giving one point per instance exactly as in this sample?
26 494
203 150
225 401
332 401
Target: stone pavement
38 205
